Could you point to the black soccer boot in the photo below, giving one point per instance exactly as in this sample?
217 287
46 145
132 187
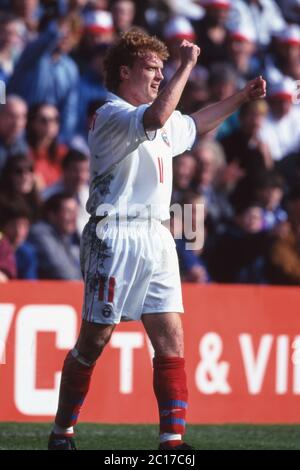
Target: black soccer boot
61 442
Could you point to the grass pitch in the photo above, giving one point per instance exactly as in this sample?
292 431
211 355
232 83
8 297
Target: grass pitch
21 436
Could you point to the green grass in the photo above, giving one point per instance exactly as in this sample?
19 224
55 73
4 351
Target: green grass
21 436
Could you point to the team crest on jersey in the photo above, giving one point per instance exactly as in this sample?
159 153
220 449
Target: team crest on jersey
107 311
165 137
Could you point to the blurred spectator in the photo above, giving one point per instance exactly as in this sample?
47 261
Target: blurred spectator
153 14
244 147
285 60
175 31
91 87
56 241
191 9
98 32
30 12
241 48
75 183
42 137
99 24
12 37
8 269
285 250
290 10
210 165
195 95
123 12
289 168
223 81
184 169
15 219
268 192
239 254
281 129
77 6
98 4
46 73
264 17
13 117
17 184
212 32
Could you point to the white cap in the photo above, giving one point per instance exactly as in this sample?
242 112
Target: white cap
216 3
179 28
290 35
283 89
99 22
242 32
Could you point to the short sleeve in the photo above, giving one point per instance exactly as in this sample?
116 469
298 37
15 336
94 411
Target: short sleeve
118 131
183 132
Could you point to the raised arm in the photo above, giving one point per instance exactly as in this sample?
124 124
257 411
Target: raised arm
165 104
212 116
43 45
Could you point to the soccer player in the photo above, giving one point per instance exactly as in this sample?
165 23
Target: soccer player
128 256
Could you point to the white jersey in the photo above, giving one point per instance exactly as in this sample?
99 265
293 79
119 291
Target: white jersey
131 170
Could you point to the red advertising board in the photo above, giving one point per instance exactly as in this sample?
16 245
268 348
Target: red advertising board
242 355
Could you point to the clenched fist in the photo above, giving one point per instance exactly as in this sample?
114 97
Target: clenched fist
255 89
189 53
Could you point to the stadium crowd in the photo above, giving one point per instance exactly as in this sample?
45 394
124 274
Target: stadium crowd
246 173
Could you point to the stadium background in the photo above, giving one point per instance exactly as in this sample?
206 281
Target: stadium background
242 340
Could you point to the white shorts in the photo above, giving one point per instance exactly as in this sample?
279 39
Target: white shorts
129 270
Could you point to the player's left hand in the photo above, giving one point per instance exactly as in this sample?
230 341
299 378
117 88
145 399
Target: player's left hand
256 89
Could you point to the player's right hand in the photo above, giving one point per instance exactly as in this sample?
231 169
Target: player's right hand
189 53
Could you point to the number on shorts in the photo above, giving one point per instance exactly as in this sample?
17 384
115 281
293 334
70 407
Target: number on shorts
110 290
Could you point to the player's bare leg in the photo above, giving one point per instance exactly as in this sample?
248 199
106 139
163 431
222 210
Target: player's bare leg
75 381
92 339
165 333
169 378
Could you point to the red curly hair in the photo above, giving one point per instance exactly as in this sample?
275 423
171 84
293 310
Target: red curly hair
128 47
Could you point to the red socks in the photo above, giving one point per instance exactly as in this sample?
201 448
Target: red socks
170 388
74 387
169 382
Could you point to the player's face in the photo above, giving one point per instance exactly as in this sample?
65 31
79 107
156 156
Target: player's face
145 77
